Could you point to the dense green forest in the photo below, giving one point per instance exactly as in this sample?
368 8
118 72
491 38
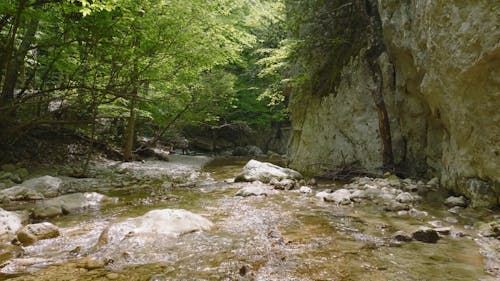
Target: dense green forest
115 70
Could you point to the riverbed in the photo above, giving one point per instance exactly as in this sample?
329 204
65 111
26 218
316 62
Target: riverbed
285 236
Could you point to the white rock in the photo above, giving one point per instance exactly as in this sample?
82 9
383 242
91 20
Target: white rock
46 185
10 223
405 197
341 196
155 224
264 172
305 189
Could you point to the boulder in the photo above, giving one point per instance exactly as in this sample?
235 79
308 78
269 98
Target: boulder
46 211
264 172
255 189
46 185
454 201
10 223
426 234
19 192
36 232
154 225
341 196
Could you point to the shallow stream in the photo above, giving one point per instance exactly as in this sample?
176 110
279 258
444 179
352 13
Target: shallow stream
287 236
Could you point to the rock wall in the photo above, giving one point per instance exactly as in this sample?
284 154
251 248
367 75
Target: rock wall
441 70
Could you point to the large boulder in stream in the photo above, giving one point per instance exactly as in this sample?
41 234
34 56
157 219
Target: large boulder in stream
154 225
70 203
262 171
10 223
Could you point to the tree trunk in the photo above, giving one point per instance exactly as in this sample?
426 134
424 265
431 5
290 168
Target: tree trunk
129 142
376 48
10 63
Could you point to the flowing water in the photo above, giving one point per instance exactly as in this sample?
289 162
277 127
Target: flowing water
287 236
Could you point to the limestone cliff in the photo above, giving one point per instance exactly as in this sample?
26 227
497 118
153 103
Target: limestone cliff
440 65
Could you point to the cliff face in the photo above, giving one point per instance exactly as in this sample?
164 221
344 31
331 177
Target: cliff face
441 88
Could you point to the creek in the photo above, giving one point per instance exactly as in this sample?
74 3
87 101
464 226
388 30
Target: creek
285 236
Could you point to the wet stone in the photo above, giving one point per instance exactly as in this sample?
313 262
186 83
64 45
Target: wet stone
453 201
402 236
35 232
426 234
305 189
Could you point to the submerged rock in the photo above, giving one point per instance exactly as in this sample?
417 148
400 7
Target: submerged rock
35 232
265 172
255 189
70 203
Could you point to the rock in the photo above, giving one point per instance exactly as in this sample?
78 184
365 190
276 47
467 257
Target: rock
444 127
402 236
426 234
46 211
443 230
436 223
455 210
255 189
284 184
264 172
405 197
451 220
18 193
35 232
491 229
8 167
434 182
453 201
417 213
10 223
305 189
156 224
78 201
482 193
341 196
46 185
